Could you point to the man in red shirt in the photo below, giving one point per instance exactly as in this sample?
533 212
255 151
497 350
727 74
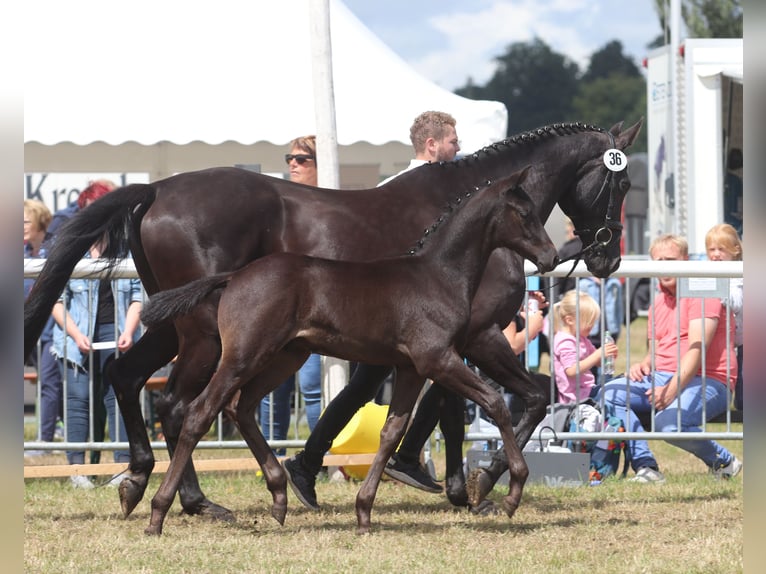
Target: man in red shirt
678 370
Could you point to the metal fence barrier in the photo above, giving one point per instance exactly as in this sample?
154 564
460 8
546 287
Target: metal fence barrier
630 270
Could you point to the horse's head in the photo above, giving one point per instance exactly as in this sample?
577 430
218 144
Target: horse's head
595 207
520 227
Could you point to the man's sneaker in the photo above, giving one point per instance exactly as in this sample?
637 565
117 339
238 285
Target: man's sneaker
302 481
80 481
646 475
412 474
729 471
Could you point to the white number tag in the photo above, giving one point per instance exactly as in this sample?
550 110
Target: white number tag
615 160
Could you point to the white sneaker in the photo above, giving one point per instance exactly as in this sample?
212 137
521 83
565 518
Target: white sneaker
80 481
729 471
646 475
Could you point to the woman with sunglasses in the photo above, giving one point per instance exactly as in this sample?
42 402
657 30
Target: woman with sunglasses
302 165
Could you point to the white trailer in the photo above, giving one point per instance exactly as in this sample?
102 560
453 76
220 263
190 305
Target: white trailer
700 106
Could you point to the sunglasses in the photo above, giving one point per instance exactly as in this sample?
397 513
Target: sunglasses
301 158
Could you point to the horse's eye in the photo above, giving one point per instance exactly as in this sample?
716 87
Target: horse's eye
624 185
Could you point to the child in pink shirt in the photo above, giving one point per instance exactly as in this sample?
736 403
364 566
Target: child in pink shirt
573 353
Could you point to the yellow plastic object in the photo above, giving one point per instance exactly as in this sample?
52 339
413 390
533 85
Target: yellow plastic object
361 436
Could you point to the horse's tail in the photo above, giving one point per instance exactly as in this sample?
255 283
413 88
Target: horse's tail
109 219
167 305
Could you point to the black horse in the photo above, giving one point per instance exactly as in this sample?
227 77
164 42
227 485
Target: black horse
197 224
410 311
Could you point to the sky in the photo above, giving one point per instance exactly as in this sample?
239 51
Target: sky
449 41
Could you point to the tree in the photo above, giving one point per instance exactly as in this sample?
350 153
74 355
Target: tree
611 90
608 61
703 19
536 84
617 97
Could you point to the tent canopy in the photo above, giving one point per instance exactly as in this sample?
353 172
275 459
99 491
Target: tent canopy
234 71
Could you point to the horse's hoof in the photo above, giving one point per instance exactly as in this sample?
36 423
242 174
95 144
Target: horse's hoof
279 512
456 492
485 508
510 506
153 530
131 492
478 486
363 529
208 509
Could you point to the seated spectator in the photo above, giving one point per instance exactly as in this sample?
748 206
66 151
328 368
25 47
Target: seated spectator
681 328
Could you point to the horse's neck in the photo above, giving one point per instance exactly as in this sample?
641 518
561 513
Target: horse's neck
460 247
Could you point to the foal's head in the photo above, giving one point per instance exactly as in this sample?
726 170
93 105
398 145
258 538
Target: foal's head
518 225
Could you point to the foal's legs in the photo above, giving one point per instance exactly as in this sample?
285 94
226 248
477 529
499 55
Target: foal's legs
128 374
197 359
490 350
457 377
199 417
250 397
406 389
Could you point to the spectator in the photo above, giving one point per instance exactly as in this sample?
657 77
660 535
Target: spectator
37 218
84 316
574 354
569 248
302 164
681 327
722 244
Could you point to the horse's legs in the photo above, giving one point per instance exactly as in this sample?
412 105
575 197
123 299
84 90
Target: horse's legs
250 397
199 417
406 390
196 362
128 374
457 377
492 353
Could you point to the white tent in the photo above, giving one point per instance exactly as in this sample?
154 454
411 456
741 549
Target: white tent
163 87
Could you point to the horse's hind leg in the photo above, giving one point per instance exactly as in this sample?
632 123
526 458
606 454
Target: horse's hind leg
195 365
279 369
128 374
406 390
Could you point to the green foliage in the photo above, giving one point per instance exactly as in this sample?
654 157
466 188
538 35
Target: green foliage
536 84
609 61
613 98
703 19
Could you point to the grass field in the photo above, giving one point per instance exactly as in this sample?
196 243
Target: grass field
690 524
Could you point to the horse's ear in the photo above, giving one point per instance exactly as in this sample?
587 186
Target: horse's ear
616 129
626 138
516 178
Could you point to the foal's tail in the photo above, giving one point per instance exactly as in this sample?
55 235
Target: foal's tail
111 217
167 305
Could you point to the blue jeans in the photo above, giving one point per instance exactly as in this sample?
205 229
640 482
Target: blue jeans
51 387
78 401
310 381
691 402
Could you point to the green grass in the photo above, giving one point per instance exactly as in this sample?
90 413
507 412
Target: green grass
689 524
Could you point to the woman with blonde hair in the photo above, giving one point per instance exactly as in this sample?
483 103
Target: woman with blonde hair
574 355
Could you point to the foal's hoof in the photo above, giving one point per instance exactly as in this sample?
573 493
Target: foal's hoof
510 506
478 486
131 491
153 530
208 509
279 512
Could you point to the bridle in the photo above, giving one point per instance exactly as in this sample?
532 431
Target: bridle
604 234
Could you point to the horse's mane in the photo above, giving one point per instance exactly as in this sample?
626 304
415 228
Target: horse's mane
524 138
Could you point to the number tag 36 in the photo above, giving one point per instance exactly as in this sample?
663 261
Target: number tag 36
615 160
